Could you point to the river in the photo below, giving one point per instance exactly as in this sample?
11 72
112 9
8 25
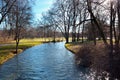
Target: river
49 61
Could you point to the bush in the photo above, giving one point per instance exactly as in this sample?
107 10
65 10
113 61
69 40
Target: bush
83 57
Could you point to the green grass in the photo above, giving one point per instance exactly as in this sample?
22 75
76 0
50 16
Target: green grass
6 51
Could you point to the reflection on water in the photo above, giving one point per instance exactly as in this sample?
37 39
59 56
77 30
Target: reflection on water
45 62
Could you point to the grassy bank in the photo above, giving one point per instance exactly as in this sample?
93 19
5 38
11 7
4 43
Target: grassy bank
73 47
7 49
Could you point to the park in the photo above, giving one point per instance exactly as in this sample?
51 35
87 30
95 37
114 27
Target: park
59 40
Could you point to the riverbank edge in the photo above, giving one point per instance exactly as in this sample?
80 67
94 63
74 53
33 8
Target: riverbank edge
70 47
98 55
92 60
11 52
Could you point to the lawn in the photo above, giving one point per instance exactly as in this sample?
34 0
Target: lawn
7 50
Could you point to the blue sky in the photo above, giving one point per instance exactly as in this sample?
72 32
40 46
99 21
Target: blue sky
41 6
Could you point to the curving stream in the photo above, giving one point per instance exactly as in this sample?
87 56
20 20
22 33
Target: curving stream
50 61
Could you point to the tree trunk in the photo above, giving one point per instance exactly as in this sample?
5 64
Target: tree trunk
78 33
111 39
54 36
73 37
93 32
67 39
97 24
83 32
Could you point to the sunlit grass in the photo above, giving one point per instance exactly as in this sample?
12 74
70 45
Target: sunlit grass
73 46
6 51
6 54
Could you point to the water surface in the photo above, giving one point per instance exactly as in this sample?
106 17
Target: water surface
50 61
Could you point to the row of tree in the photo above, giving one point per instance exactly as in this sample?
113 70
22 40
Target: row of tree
73 16
96 18
91 18
15 15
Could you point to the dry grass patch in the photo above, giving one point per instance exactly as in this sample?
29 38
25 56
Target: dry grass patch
91 55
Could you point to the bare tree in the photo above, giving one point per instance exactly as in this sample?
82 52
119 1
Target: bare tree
5 7
62 17
21 15
89 4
